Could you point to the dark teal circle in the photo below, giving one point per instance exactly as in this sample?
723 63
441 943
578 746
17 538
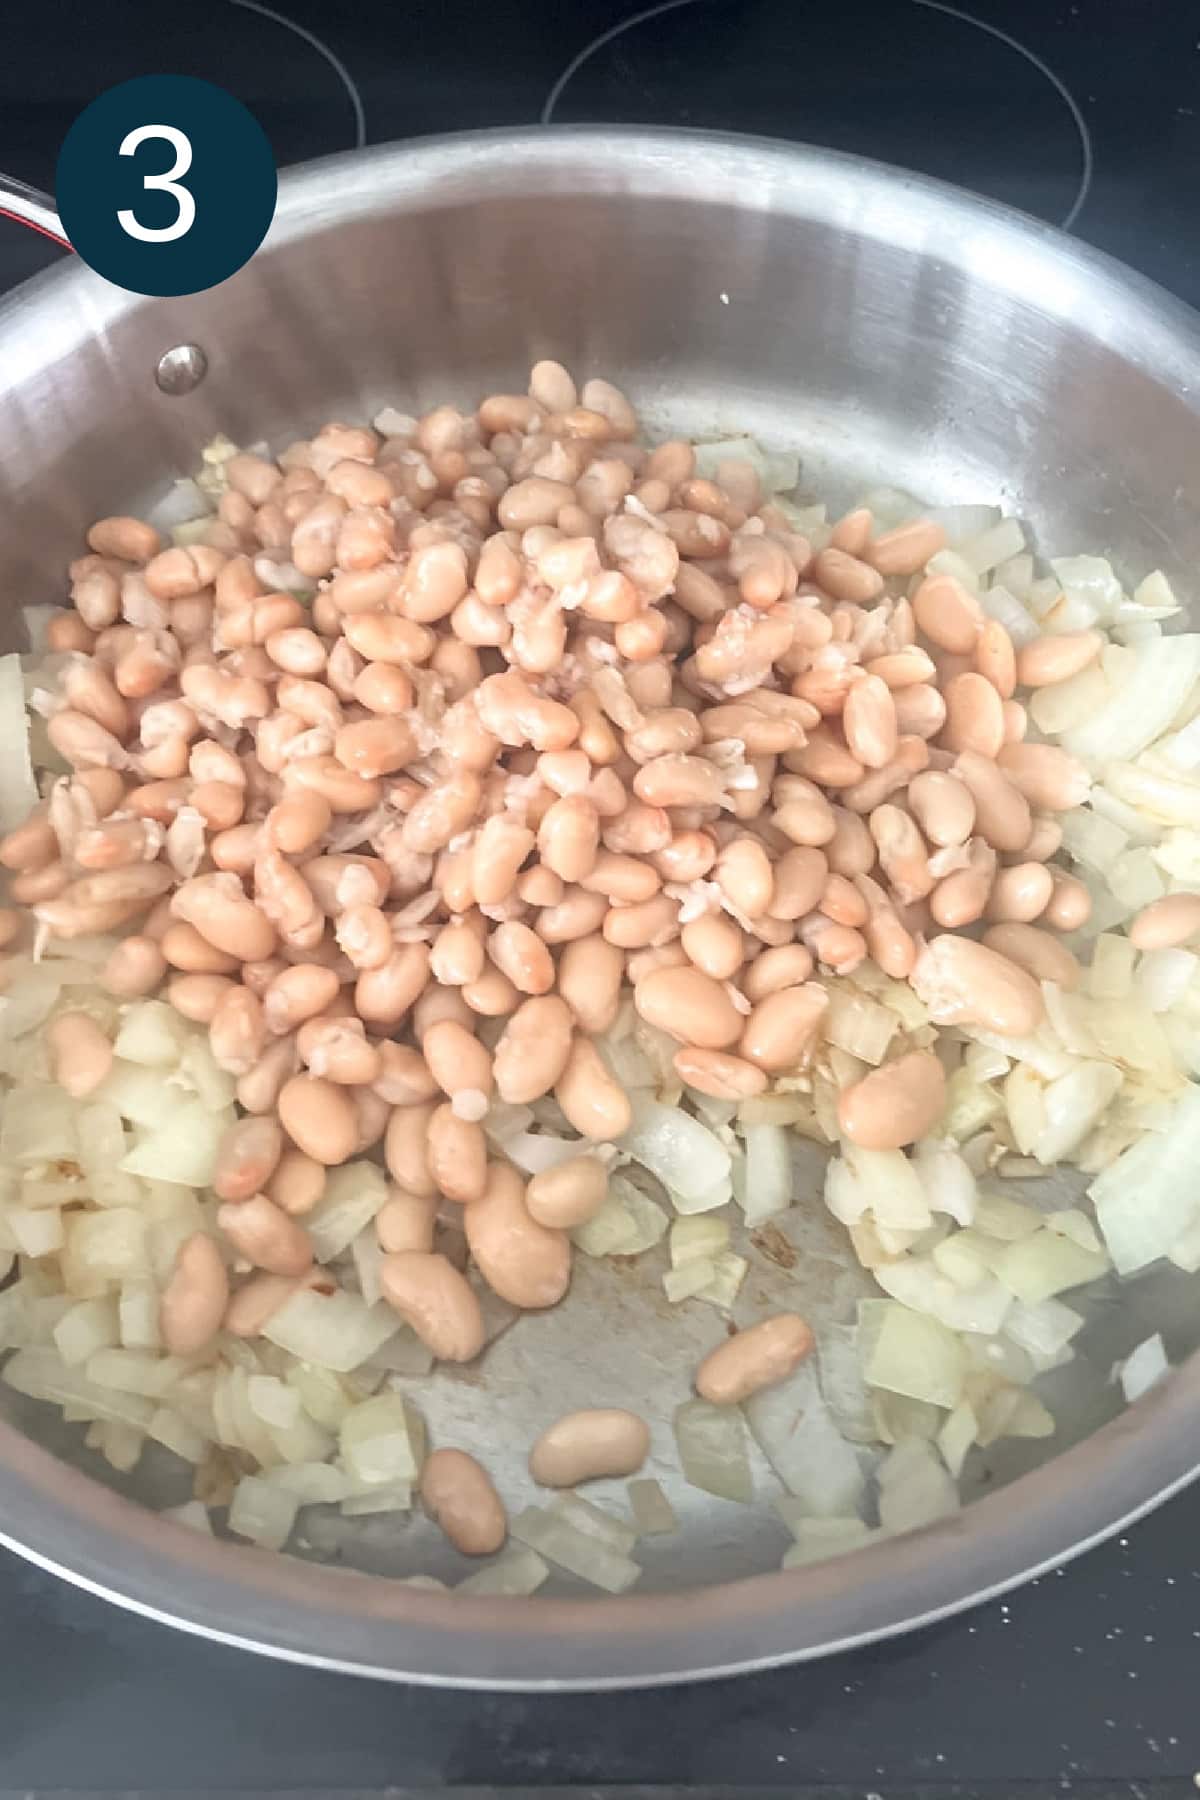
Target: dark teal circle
231 178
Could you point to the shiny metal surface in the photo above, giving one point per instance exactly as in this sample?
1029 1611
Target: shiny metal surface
889 329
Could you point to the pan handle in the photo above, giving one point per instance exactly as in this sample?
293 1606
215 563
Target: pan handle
26 205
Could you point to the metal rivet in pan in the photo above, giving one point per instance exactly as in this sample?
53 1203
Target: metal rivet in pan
181 369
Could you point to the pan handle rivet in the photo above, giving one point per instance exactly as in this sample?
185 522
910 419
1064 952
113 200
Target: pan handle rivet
182 369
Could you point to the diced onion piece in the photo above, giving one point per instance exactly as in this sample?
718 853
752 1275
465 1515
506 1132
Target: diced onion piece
184 1150
273 1401
915 1488
690 1279
1164 976
995 545
1143 1368
18 789
712 1450
729 1272
679 1150
817 1540
693 1203
39 1126
1043 1329
312 1483
909 1353
42 1375
796 1433
36 1231
138 1309
859 1025
999 1217
1162 674
845 1393
106 1246
1040 1266
388 1497
946 1179
1071 1107
335 1331
1110 974
177 1434
918 1282
90 1325
652 1512
554 1537
594 1521
865 1181
627 1223
152 1034
1147 1198
519 1571
262 1512
353 1195
695 1239
374 1442
956 1437
768 1173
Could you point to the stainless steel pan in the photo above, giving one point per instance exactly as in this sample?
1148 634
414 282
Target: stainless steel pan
890 329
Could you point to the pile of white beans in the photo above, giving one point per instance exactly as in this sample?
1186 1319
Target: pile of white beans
556 719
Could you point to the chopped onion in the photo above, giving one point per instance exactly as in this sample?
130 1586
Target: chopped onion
1147 1199
312 1483
1071 1107
796 1433
1143 1368
518 1572
387 1497
918 1282
679 1150
627 1223
946 1178
882 1182
594 1521
1044 1264
653 1513
175 1433
766 1176
1043 1329
729 1272
553 1536
915 1488
995 545
712 1450
374 1442
152 1034
337 1331
957 1436
699 1238
262 1512
845 1393
18 789
88 1326
859 1025
909 1353
1141 709
353 1195
819 1539
686 1282
183 1151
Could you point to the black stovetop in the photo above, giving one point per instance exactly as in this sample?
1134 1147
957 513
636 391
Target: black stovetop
1086 114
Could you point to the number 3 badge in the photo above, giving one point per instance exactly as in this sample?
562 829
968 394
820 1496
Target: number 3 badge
166 185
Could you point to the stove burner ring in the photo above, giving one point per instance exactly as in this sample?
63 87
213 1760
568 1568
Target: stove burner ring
335 62
1086 159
